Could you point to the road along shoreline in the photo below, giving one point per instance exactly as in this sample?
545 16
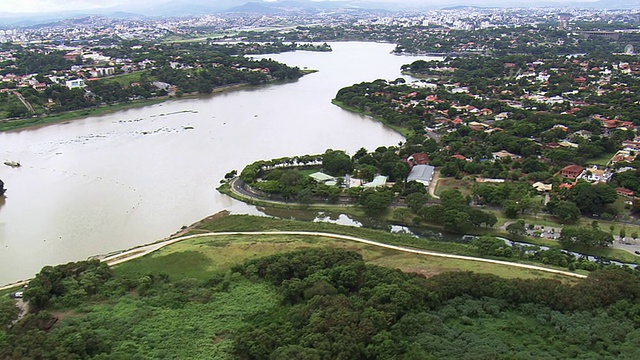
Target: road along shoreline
143 250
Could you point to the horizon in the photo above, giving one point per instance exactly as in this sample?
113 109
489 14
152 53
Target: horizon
40 7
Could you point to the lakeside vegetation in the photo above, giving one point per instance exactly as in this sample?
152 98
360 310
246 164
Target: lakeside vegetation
402 130
165 70
267 296
286 297
7 125
287 183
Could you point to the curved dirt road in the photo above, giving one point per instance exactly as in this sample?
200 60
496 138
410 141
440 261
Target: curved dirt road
147 249
143 250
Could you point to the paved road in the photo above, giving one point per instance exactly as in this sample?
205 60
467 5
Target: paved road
626 244
238 187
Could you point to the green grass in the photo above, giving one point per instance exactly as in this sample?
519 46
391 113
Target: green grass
251 223
128 79
544 220
191 330
462 185
602 160
306 171
203 257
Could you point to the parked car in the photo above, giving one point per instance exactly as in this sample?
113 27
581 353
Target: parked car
16 295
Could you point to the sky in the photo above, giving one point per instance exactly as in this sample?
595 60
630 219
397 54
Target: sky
43 6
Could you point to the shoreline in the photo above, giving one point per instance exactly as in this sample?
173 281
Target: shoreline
31 123
118 256
405 132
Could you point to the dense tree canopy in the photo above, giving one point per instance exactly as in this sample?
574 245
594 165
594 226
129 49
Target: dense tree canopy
322 303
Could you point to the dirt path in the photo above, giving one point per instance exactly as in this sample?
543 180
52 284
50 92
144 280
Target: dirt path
434 184
147 249
144 250
24 102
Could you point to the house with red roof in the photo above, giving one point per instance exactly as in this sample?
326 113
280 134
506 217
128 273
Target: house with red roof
624 192
571 171
459 157
419 158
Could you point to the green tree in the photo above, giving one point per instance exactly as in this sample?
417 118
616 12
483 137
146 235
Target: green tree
517 228
336 162
376 202
402 215
592 199
8 312
456 221
415 201
489 245
453 199
567 212
511 208
585 236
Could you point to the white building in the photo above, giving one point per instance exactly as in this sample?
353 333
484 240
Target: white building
75 83
422 174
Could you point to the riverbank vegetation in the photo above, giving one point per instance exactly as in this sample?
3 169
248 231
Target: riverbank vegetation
308 300
349 180
287 182
157 72
515 133
549 253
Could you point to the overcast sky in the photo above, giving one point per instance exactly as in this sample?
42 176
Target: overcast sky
42 6
39 6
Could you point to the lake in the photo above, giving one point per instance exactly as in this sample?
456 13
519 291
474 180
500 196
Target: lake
105 183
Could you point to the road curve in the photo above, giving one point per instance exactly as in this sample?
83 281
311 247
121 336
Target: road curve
143 250
147 249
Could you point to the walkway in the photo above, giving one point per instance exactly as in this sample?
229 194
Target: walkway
147 249
434 184
144 250
238 187
24 102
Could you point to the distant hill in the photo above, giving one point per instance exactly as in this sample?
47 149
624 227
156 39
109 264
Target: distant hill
201 7
253 7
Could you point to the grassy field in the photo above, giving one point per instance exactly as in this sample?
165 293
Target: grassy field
202 257
462 185
602 160
251 223
127 79
449 183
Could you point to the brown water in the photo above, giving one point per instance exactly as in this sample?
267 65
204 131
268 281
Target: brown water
105 183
